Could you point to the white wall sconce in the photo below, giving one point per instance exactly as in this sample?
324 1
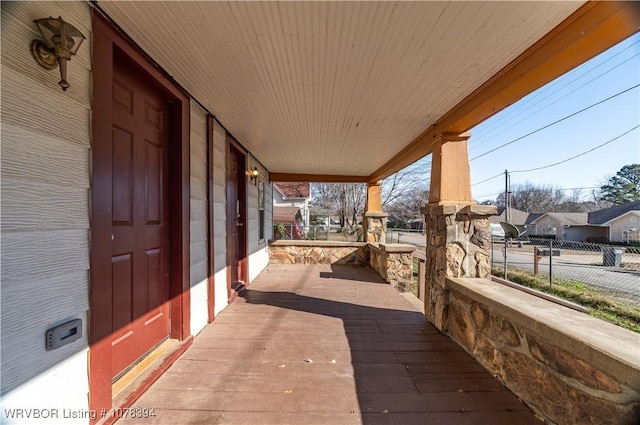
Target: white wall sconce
60 41
254 175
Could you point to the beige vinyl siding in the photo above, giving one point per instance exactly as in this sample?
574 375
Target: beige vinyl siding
257 248
220 216
622 224
254 242
45 183
199 208
548 224
268 213
252 207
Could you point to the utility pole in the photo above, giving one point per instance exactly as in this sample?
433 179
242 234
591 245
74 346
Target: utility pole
507 196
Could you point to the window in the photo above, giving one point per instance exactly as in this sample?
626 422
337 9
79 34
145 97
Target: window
261 198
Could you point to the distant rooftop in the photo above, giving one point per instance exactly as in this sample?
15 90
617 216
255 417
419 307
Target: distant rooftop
608 214
294 189
518 217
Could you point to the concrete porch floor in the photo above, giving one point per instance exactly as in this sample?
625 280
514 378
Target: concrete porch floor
321 344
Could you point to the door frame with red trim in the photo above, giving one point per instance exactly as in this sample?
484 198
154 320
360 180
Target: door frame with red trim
234 148
106 38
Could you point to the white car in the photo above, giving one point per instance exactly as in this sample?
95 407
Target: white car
496 230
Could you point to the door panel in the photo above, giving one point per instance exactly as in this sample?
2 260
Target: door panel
140 217
236 219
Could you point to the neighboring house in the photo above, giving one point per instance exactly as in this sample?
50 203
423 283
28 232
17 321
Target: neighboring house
417 224
292 220
293 194
620 223
521 219
567 226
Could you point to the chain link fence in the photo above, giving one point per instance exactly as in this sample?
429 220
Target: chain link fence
316 233
414 237
610 270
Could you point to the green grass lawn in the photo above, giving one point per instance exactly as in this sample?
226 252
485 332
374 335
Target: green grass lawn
622 315
599 306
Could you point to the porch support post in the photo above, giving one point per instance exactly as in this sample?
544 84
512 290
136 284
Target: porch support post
450 176
457 230
375 221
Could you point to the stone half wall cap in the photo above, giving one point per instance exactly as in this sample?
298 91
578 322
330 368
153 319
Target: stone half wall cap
376 214
473 211
479 211
315 243
397 247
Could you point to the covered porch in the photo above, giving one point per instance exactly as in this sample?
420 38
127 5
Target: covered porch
326 344
236 97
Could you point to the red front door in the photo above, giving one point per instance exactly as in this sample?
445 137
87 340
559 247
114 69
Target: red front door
140 216
236 219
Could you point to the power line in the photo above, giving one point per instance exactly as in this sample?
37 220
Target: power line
554 123
563 190
579 155
556 91
490 194
581 188
476 145
490 178
560 162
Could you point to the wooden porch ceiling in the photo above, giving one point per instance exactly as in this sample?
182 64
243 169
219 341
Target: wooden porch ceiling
353 92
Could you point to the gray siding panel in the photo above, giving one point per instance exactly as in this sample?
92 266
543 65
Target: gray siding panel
198 216
220 196
29 206
45 175
43 159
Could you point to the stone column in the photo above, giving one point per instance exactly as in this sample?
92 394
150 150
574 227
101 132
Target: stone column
374 223
458 238
458 244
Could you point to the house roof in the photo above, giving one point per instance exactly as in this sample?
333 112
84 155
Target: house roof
293 190
606 215
286 215
518 217
320 90
568 219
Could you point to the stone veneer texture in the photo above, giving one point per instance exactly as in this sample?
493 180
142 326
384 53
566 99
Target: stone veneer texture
555 383
294 254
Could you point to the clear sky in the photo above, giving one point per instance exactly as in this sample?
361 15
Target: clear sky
606 75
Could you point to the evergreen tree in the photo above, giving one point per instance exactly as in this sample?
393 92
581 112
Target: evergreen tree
624 187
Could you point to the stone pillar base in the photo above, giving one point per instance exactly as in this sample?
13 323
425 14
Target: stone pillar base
394 263
375 227
458 244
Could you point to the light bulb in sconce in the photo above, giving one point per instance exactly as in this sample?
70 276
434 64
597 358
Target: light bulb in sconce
254 175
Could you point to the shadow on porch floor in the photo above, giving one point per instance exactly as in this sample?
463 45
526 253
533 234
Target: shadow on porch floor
320 344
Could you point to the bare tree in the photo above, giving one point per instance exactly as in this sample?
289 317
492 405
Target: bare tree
405 181
406 206
572 203
403 193
346 199
599 200
531 198
545 198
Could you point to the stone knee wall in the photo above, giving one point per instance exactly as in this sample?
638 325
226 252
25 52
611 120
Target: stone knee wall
318 252
558 384
394 263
